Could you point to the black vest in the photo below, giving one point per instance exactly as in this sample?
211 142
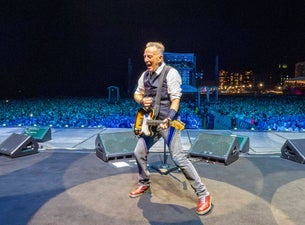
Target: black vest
151 86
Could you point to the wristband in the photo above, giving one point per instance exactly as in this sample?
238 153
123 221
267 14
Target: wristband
171 114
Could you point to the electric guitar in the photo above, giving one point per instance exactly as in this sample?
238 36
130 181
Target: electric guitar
145 124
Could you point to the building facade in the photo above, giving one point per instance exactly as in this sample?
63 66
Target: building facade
296 85
236 82
299 69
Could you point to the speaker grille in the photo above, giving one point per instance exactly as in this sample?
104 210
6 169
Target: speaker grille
118 142
222 148
17 145
115 145
12 143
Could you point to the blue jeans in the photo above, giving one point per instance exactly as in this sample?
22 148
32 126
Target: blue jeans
173 141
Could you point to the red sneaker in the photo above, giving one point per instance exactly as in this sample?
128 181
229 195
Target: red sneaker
204 204
138 191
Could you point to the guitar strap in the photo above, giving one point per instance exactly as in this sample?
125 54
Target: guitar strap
158 95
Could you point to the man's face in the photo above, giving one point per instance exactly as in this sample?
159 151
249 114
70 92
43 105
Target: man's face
152 58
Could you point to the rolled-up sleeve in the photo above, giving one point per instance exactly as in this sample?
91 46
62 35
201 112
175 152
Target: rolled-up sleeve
174 84
140 88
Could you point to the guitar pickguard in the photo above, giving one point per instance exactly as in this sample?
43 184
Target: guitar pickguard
140 126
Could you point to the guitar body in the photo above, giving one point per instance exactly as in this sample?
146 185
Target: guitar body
141 126
146 125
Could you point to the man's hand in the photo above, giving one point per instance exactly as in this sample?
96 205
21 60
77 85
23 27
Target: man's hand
165 124
147 101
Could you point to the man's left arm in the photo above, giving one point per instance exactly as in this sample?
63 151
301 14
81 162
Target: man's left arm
174 89
175 104
175 92
174 107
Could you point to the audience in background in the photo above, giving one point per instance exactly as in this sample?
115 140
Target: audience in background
278 113
75 113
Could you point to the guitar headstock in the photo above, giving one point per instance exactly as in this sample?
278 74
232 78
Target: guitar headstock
179 125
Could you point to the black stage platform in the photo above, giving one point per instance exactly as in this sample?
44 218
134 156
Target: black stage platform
64 187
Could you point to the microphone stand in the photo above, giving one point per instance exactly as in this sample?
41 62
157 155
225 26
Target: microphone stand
164 168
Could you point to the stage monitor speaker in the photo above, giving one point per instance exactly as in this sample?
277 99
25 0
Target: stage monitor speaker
244 143
17 145
110 146
294 150
40 134
216 147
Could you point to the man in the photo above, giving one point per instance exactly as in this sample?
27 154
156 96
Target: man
168 110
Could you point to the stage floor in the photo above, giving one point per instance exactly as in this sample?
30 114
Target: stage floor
66 183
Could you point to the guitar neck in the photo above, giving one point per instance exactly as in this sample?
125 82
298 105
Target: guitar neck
154 122
177 124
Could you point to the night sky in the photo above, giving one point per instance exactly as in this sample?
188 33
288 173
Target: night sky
80 47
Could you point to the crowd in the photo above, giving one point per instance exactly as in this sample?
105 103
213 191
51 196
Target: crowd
76 113
278 113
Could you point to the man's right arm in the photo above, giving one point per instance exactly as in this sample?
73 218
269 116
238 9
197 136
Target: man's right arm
138 97
140 90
